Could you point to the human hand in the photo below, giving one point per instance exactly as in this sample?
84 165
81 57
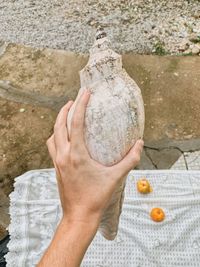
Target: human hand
85 185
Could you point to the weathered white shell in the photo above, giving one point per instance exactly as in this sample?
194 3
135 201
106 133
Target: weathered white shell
114 118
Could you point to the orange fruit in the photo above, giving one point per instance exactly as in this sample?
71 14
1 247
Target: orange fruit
143 186
157 214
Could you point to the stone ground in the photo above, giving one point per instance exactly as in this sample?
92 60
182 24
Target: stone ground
188 161
35 83
140 26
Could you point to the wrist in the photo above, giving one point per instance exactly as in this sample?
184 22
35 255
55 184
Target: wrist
70 242
77 220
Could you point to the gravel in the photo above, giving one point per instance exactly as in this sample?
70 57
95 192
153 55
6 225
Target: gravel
148 26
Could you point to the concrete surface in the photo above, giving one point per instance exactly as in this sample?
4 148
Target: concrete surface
188 161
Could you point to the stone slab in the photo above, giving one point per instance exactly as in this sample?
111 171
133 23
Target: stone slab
164 158
145 162
180 164
170 86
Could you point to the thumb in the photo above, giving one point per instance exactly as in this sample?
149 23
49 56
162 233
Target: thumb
129 162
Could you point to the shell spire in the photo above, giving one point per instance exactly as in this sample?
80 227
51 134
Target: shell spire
101 42
100 33
103 61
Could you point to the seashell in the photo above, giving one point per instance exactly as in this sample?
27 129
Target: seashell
114 117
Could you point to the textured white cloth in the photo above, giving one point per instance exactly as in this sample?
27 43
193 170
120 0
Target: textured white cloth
35 212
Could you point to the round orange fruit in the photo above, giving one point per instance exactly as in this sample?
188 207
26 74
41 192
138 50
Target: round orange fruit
144 186
157 214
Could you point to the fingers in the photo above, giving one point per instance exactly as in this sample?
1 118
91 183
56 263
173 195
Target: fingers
61 137
77 124
129 162
52 149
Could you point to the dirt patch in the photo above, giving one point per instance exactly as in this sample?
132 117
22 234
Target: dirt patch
45 71
23 138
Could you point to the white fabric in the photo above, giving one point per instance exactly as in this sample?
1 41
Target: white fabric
35 212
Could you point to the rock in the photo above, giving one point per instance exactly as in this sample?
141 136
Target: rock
76 13
145 162
176 74
167 143
188 51
196 30
183 45
183 34
196 15
193 37
92 22
151 36
22 110
195 50
164 158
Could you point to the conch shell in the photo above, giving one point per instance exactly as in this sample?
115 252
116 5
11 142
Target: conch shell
114 117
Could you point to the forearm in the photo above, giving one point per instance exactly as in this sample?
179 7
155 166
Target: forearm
69 244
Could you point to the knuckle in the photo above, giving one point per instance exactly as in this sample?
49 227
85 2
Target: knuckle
76 159
61 162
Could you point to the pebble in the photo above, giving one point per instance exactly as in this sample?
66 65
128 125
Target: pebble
189 136
184 45
193 37
186 52
196 15
91 22
22 110
195 50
